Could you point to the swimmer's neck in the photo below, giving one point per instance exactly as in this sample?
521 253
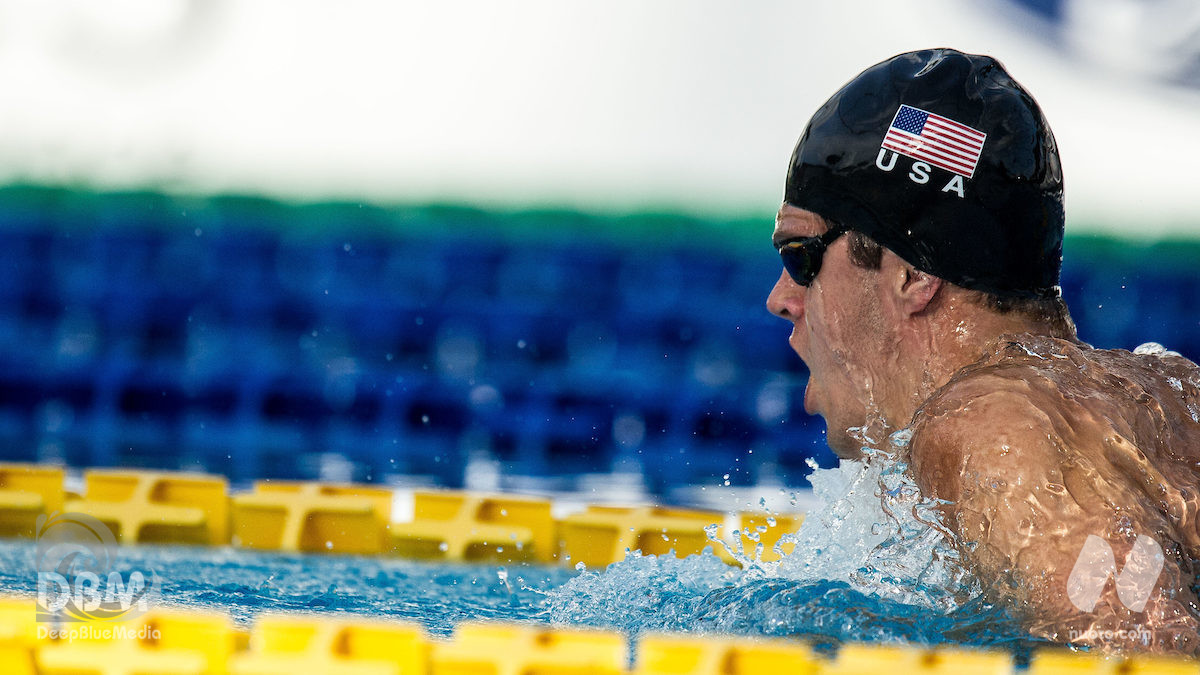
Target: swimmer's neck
932 347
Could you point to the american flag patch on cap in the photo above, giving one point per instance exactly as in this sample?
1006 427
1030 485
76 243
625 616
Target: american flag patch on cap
938 140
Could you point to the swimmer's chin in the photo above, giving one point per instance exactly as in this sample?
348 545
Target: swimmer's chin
843 445
810 403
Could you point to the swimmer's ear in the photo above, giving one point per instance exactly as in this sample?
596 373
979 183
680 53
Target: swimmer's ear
911 290
918 290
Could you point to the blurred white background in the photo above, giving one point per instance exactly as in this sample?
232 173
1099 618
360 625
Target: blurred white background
689 105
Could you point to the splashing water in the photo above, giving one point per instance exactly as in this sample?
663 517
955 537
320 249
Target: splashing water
874 563
877 533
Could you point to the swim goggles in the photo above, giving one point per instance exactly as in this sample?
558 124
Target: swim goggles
802 257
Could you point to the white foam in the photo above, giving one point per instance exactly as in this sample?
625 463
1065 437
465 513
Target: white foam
875 531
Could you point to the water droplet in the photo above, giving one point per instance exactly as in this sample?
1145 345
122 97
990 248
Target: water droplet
1149 349
1154 349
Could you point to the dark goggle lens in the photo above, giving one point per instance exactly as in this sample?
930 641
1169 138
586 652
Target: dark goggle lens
799 260
802 257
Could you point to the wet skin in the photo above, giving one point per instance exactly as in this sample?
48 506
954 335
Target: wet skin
1044 442
845 363
1035 441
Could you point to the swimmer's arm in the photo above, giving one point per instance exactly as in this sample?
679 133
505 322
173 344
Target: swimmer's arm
1024 509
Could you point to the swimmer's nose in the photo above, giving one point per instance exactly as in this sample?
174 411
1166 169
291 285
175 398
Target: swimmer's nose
786 299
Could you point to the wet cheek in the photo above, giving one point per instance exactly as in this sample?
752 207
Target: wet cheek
830 330
814 333
814 315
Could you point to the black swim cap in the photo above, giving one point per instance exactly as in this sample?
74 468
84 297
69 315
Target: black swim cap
943 158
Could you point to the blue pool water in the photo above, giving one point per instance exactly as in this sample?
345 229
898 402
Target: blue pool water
244 583
641 594
871 565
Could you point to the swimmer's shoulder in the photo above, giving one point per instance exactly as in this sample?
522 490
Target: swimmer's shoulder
1000 414
987 424
1033 401
1014 374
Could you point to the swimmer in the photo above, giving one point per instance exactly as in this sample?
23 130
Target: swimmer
921 238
